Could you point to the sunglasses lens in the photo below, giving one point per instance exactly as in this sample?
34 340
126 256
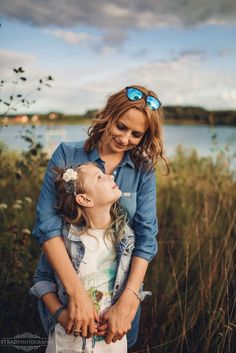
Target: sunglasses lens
134 94
153 103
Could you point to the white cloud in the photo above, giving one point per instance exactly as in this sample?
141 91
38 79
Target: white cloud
183 80
12 59
229 95
120 15
73 37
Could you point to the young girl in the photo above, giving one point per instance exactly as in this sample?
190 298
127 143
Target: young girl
100 250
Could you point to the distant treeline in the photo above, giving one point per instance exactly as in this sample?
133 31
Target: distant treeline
200 115
176 114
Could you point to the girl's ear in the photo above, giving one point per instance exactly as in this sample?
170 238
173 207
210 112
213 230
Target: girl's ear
84 200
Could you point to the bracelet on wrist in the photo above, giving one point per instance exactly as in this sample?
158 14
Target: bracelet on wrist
57 313
136 294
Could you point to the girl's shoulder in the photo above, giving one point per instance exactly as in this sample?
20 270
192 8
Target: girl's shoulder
72 232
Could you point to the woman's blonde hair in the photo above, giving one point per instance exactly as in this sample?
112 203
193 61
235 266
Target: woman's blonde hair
146 154
74 213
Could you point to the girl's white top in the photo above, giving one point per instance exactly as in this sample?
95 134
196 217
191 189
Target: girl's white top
97 272
98 268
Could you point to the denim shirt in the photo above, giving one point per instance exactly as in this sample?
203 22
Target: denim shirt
138 197
46 281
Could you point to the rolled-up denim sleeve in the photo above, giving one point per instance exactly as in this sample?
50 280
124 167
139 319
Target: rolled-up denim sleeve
48 222
44 279
39 289
145 224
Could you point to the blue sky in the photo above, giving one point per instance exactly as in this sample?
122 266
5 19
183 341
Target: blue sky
183 50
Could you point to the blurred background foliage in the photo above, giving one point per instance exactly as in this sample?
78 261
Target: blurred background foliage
192 308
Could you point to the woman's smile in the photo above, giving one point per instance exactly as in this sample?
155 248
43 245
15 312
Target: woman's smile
119 144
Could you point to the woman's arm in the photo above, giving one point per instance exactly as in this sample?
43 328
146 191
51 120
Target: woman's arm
80 307
48 231
118 317
144 226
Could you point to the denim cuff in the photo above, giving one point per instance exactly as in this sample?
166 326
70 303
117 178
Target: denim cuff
143 293
49 235
144 255
42 287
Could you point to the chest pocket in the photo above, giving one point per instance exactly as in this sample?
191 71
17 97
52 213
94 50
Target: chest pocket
128 201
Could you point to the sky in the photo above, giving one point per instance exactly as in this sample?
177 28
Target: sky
183 50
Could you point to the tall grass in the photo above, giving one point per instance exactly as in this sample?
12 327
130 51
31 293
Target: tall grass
192 308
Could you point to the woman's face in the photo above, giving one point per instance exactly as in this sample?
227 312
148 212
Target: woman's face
126 132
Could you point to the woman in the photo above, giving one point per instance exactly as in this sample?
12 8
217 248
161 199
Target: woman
125 140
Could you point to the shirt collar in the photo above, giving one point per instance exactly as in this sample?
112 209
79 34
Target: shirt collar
127 160
94 157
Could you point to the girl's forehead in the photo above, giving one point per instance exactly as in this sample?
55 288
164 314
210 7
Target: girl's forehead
90 169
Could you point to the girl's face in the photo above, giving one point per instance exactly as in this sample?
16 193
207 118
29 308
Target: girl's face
126 132
100 188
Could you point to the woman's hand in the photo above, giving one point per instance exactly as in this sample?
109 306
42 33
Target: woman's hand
82 313
119 318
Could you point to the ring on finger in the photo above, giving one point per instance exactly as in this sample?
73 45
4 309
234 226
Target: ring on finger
77 332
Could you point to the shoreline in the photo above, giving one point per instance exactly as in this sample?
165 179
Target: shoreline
88 122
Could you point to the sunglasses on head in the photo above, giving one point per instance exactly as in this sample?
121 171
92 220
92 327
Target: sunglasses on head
134 94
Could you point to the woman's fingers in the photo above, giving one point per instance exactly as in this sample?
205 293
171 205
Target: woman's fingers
117 337
71 313
84 329
109 337
69 327
77 328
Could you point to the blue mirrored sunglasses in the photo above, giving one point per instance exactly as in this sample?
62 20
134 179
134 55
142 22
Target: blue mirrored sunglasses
134 94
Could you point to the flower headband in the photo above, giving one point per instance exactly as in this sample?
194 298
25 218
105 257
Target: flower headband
69 176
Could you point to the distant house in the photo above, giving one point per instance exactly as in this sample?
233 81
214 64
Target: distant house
23 119
53 116
35 118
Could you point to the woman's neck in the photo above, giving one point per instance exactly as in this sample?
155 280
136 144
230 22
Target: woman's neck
99 218
111 159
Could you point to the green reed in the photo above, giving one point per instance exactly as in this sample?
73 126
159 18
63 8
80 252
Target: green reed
192 308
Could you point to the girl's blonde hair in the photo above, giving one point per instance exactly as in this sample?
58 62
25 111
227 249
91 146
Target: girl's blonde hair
150 149
74 213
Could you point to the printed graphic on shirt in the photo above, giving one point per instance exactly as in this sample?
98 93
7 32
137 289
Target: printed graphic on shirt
99 283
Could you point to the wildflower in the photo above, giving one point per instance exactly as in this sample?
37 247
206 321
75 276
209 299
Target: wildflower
18 202
3 206
28 199
26 231
17 206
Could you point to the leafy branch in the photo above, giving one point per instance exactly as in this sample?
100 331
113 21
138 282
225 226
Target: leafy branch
16 98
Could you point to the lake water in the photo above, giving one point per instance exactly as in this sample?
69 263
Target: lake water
198 137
